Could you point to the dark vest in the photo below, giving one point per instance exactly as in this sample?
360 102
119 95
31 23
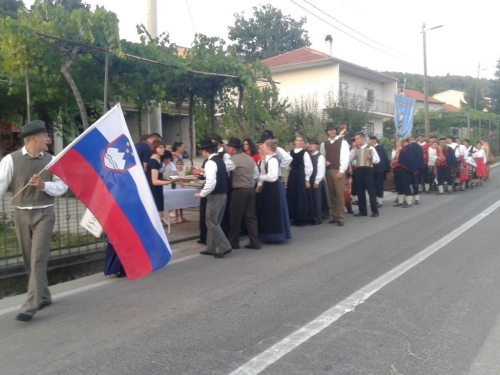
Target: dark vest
277 158
24 168
332 152
221 178
314 160
298 159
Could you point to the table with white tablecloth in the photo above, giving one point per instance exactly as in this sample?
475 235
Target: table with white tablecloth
176 199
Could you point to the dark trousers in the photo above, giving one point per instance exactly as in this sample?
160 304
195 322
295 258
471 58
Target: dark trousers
379 183
364 178
203 221
242 208
424 175
216 239
444 173
402 181
317 195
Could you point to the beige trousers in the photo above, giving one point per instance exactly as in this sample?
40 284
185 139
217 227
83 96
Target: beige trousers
34 230
336 193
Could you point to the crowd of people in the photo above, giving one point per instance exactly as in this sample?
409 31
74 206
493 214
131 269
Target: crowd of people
244 192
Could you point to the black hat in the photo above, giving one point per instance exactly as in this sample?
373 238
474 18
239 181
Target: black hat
235 142
267 134
330 126
442 139
313 141
372 137
207 143
262 139
31 128
217 137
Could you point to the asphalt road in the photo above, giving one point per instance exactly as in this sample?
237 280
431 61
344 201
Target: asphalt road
439 315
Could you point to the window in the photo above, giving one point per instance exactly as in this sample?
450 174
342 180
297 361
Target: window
369 95
370 129
343 88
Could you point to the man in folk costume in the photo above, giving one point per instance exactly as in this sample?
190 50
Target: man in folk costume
424 170
380 169
34 214
317 181
417 152
364 157
450 141
336 152
351 172
446 162
461 155
471 162
405 167
215 190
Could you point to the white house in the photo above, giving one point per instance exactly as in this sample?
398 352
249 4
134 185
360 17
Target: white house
452 97
306 72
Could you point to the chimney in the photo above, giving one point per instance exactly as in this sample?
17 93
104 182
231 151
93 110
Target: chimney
328 43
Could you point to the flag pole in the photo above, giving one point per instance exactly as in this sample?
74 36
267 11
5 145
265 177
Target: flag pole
25 186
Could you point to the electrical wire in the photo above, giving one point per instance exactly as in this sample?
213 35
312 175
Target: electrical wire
191 16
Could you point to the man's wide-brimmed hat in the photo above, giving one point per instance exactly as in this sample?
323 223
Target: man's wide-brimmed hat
207 143
313 141
31 128
235 142
268 134
217 137
330 126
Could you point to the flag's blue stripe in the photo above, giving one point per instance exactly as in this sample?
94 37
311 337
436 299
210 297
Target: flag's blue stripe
124 189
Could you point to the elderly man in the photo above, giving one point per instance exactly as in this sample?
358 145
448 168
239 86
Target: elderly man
34 215
242 204
215 190
336 152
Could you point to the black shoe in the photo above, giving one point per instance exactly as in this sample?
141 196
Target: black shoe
405 205
235 246
350 211
121 275
360 214
253 247
340 223
379 205
333 221
301 223
417 203
44 304
202 242
223 254
23 317
375 214
398 205
316 222
207 253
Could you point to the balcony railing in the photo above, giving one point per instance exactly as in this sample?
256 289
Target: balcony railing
361 103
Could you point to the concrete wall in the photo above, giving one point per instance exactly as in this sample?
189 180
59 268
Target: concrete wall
175 132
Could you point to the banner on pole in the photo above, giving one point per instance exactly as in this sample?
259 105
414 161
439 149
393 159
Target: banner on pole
403 119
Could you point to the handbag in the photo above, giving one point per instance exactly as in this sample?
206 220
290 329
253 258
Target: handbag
490 158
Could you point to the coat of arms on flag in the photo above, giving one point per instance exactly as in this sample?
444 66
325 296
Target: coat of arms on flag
102 169
403 119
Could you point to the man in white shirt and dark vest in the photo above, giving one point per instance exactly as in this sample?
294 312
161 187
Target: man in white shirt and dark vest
215 190
336 152
34 215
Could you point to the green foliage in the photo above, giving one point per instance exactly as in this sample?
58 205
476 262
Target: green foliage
305 118
9 8
268 33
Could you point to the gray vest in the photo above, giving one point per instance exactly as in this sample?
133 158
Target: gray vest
24 168
243 174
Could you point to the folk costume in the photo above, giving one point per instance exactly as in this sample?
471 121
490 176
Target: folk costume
299 199
480 158
320 206
417 152
432 154
471 165
272 209
336 152
405 167
364 158
445 163
424 172
380 171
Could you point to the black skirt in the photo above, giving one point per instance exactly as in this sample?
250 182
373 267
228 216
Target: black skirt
272 213
299 199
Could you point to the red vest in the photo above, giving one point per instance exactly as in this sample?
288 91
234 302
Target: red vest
425 148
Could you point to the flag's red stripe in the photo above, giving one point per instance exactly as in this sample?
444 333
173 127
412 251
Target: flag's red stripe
84 181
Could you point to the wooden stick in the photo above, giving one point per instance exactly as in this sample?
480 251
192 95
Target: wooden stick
25 186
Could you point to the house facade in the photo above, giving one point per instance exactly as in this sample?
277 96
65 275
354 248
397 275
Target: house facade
305 72
452 97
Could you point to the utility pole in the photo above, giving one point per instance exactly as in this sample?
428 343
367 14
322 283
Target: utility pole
28 100
155 126
468 126
477 84
426 90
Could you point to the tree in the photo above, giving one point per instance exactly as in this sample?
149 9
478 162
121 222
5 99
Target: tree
268 33
495 91
10 7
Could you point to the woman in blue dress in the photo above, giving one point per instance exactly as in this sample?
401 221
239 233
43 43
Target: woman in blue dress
154 171
272 209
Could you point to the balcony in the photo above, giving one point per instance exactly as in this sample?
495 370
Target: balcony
362 103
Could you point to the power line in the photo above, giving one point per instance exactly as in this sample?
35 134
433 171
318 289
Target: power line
191 16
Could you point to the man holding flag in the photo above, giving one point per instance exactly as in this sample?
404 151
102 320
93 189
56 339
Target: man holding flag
34 217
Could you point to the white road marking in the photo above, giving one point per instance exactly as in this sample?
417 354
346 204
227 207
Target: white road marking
85 288
274 353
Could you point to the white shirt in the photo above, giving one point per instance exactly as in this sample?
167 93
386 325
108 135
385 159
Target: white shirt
255 172
393 154
375 157
210 177
227 160
480 154
461 151
432 152
455 149
273 170
320 168
469 156
308 166
167 170
284 157
54 188
344 153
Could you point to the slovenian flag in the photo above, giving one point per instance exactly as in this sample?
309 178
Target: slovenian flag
102 168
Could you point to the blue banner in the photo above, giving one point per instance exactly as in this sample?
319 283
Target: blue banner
403 119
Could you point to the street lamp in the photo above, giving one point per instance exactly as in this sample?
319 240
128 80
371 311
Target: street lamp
426 89
477 84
